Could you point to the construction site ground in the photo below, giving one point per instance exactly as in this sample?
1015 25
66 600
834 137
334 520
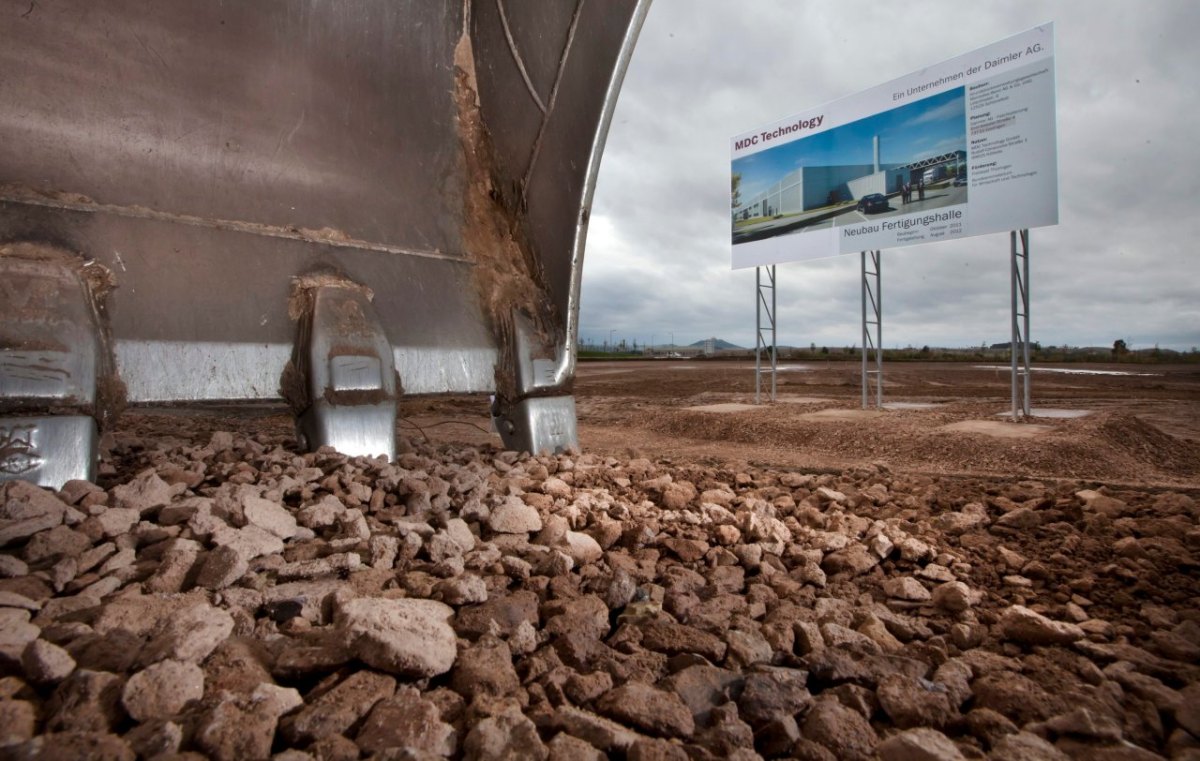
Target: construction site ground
708 578
1142 426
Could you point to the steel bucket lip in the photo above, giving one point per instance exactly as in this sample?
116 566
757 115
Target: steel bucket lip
249 144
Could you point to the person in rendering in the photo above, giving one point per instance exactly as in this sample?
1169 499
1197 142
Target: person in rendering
921 189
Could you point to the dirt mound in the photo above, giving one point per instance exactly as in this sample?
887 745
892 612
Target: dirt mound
1101 447
1149 446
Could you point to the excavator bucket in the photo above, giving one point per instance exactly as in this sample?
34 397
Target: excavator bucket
332 203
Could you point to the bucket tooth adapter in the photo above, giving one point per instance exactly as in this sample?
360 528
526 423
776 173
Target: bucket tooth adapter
440 155
341 381
542 418
56 372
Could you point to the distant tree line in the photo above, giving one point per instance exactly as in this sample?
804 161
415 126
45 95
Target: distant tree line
998 352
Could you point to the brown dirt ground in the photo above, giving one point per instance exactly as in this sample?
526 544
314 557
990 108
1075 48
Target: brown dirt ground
1143 429
1142 439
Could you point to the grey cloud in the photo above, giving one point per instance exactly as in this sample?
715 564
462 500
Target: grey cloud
1119 264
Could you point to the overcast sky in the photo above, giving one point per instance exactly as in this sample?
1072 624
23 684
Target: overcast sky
1123 262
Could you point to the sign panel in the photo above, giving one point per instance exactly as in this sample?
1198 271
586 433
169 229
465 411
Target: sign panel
965 147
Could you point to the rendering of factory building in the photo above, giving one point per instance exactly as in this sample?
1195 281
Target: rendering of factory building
814 187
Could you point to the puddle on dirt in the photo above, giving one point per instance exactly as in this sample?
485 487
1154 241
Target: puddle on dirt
1068 370
1049 412
789 369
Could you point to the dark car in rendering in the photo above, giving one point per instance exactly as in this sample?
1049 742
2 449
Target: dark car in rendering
873 202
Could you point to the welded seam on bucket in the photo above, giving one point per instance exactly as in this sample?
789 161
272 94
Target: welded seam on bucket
516 56
30 198
549 110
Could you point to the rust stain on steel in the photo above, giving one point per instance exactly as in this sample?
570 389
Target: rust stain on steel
98 282
506 274
304 288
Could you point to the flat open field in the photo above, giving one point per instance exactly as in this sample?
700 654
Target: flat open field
1142 426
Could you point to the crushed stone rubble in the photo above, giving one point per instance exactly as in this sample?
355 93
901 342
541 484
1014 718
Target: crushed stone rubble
237 600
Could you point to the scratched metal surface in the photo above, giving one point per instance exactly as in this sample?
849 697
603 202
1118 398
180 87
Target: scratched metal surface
208 152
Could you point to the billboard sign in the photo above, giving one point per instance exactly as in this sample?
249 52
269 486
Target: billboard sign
962 148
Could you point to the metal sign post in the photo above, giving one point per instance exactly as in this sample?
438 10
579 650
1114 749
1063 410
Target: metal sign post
763 307
872 293
1020 324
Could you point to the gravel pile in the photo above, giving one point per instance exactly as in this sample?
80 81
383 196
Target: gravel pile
237 600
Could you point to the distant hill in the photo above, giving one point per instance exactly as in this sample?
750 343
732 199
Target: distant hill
717 343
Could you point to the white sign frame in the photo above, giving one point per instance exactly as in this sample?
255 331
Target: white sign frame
793 207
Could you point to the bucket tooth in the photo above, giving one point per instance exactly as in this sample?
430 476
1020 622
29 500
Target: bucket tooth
343 385
538 424
48 450
541 418
55 365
